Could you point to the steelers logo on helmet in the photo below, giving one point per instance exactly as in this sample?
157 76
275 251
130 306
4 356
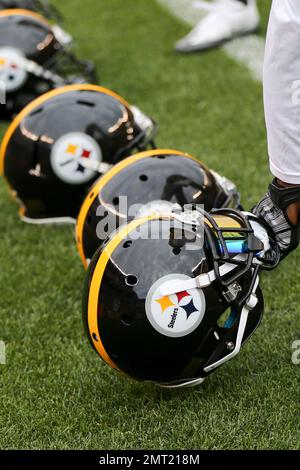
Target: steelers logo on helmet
176 315
75 158
12 75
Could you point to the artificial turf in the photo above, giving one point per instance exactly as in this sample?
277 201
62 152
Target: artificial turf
55 393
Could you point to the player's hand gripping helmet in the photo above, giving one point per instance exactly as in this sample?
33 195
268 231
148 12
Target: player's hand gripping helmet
169 299
149 181
60 144
34 59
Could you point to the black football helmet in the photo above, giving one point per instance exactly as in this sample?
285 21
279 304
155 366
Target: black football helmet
40 6
170 298
151 180
34 59
61 142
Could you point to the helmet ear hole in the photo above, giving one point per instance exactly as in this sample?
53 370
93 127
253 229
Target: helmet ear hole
127 244
127 319
144 178
114 355
131 280
86 103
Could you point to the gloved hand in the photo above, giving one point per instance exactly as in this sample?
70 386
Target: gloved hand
272 211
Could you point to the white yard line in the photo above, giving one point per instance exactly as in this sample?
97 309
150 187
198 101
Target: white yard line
248 50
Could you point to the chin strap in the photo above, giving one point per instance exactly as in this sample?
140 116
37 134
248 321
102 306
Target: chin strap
34 69
38 71
199 282
95 166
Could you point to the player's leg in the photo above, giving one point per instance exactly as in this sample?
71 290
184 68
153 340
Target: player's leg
224 20
280 207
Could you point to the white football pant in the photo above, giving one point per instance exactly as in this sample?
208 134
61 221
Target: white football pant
282 90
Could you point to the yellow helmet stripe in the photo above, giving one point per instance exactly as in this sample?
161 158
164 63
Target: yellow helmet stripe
42 99
95 286
23 12
100 183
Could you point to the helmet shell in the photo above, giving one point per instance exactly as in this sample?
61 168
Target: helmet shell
120 277
39 149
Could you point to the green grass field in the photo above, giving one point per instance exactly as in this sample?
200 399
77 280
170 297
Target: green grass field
55 393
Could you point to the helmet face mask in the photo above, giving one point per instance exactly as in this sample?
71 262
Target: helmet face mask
153 306
35 58
228 197
157 180
60 144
